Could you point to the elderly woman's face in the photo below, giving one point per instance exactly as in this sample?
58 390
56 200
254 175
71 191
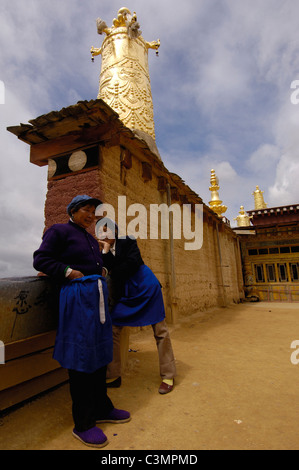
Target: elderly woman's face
85 216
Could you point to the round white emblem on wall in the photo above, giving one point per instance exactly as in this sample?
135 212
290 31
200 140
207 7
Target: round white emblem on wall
77 160
52 166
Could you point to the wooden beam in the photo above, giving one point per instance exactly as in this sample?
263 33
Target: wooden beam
26 368
21 392
40 153
146 171
30 345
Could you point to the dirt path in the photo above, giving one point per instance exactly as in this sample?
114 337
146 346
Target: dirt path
236 389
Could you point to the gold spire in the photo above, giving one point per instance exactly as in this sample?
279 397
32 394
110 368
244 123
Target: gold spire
243 220
124 79
259 202
216 203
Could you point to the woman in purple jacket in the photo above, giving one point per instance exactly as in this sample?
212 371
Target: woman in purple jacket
83 344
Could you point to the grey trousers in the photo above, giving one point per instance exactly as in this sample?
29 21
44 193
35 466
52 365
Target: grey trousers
165 352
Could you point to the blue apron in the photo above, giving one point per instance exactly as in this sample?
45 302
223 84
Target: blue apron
83 342
142 303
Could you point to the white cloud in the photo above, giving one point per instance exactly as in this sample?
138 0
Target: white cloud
265 158
23 191
286 186
226 172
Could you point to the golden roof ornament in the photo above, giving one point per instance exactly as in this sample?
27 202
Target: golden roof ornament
216 203
259 202
124 79
243 219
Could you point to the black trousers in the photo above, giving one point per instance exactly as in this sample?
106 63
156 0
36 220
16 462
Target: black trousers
90 401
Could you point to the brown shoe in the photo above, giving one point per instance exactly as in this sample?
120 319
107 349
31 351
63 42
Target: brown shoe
115 384
164 388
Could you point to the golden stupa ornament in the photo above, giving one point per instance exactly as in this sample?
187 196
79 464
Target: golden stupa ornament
243 219
216 203
259 202
124 79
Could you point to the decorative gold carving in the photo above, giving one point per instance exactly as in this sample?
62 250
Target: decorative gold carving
259 202
216 203
243 219
124 79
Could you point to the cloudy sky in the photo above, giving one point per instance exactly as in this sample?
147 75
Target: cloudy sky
221 89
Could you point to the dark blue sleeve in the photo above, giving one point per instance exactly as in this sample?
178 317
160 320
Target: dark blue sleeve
127 262
46 258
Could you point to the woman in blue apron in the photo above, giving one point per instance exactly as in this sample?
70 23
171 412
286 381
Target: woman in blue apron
83 345
136 300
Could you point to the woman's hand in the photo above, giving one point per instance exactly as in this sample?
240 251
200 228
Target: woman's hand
104 271
105 245
75 275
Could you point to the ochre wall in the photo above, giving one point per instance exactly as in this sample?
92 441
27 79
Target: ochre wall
211 276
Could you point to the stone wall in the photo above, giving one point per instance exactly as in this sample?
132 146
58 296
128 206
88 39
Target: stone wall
191 280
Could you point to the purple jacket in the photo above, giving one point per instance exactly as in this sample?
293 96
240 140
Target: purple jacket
68 245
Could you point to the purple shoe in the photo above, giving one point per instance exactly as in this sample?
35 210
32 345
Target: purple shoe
93 437
116 416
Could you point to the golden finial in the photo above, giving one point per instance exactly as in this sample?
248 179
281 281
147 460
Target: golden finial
259 202
216 203
124 79
243 219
